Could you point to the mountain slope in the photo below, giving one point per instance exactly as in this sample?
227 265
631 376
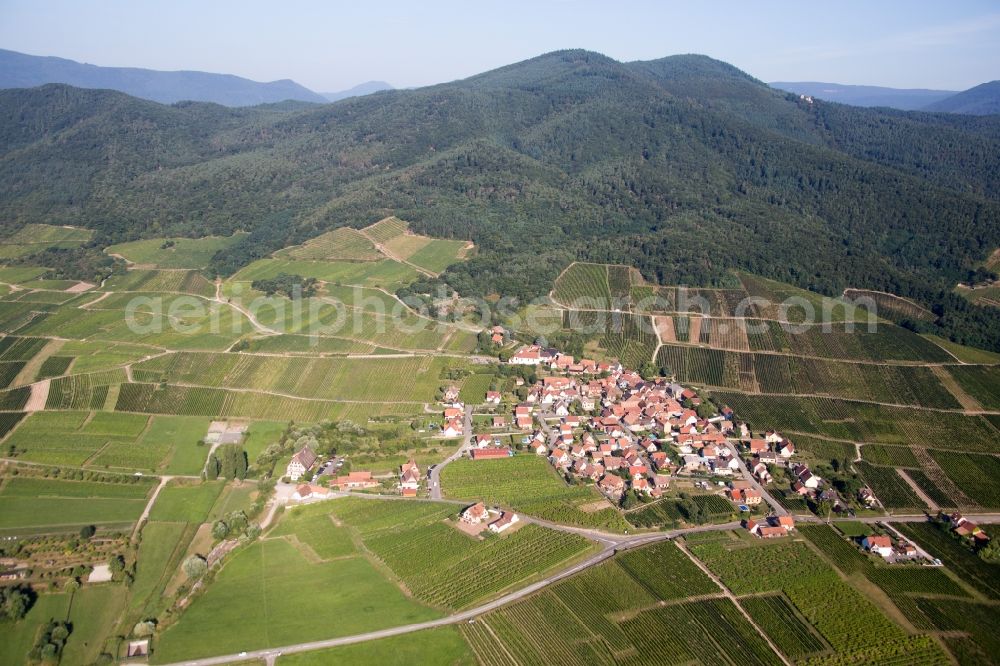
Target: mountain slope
904 99
19 70
366 88
685 168
982 100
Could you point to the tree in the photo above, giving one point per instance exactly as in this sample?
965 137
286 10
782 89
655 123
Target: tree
195 566
990 552
220 530
87 531
116 564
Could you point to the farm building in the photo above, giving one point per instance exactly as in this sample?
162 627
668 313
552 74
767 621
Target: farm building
495 452
301 462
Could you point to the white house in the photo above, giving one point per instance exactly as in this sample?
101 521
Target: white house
878 544
301 462
506 519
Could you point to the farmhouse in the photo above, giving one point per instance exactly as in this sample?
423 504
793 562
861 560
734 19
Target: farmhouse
878 544
506 519
409 476
355 480
306 491
301 462
475 514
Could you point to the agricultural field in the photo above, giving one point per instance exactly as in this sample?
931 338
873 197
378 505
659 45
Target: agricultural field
386 273
630 338
939 542
776 616
414 379
854 627
173 252
528 483
785 374
172 281
34 238
28 503
269 590
182 501
889 306
889 456
892 491
438 254
584 286
860 422
447 568
343 244
975 474
982 382
386 229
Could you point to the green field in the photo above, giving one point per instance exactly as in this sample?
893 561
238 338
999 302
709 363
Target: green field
27 503
438 254
982 382
584 286
529 484
343 244
185 502
274 594
174 252
443 566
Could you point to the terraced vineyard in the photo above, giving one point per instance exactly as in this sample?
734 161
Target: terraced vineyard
343 244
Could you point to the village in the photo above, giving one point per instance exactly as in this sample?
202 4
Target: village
632 438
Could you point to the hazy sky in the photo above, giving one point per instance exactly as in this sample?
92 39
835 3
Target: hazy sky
329 46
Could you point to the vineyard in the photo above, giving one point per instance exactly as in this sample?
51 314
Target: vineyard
185 282
982 382
890 306
447 568
777 618
386 229
174 252
975 474
529 484
859 422
584 286
414 379
666 572
889 487
343 244
776 373
940 543
87 391
889 456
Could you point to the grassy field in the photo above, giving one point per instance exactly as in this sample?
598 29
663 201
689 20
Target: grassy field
174 252
386 273
180 281
27 503
270 591
438 254
529 484
186 502
162 544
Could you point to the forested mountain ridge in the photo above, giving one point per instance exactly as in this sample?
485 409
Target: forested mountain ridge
685 167
983 99
20 70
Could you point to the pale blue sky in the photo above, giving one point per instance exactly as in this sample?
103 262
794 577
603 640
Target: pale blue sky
333 45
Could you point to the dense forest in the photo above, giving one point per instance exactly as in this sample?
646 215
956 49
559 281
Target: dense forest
684 167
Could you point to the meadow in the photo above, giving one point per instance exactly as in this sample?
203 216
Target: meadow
529 484
269 590
31 503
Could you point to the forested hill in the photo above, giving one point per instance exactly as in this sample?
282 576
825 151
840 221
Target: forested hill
685 167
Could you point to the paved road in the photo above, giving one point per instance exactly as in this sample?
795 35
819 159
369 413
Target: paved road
613 543
775 505
435 478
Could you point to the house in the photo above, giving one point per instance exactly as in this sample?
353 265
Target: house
475 514
770 532
786 521
758 446
867 497
306 491
612 485
786 449
453 428
506 519
491 453
499 422
355 480
301 462
875 543
493 397
526 356
450 394
482 441
409 476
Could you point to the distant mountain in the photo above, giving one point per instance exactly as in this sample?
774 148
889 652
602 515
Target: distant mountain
906 99
982 100
19 70
366 88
